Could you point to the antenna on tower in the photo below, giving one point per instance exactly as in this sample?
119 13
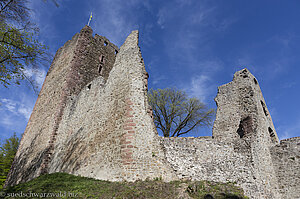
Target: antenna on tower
90 19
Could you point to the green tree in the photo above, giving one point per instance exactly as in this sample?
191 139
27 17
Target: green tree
175 114
8 150
19 46
18 49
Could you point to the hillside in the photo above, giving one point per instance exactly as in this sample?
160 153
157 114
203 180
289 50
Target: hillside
61 185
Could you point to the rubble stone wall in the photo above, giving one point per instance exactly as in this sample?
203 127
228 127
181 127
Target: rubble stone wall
286 159
106 131
75 64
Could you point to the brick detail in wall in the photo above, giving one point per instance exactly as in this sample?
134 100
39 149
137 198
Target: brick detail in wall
127 139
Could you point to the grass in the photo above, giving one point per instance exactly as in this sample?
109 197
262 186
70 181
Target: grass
61 185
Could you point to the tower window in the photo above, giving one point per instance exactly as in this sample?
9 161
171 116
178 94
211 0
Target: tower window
271 132
101 59
105 43
255 81
100 68
272 135
264 108
89 86
116 52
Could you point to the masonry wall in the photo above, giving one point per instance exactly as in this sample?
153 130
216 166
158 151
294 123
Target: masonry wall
243 120
286 159
106 131
32 149
75 64
204 158
239 150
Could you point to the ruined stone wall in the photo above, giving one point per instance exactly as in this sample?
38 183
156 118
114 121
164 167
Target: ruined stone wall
92 119
286 159
106 131
239 150
75 64
204 158
243 120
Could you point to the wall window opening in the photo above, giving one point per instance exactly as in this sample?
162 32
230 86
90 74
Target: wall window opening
100 68
101 59
105 43
271 132
272 135
255 81
264 108
245 127
89 86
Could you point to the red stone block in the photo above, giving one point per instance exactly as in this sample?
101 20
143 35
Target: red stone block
128 128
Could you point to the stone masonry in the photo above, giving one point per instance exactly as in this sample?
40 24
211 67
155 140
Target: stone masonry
92 119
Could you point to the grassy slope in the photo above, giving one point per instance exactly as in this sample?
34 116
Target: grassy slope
62 185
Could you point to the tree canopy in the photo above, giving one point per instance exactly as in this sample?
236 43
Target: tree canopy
175 114
8 150
19 46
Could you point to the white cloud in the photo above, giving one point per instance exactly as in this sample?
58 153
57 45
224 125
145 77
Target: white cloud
157 79
15 108
25 111
40 76
161 17
37 75
188 41
201 87
7 120
285 135
288 131
9 105
115 19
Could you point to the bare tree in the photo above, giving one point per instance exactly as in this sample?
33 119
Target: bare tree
175 114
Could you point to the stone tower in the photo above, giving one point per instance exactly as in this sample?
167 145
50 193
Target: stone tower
78 62
244 120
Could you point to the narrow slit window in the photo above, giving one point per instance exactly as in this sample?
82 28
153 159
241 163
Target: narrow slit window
264 108
272 135
100 68
89 86
255 81
271 132
101 59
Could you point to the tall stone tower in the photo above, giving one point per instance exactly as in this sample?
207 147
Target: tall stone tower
244 120
75 64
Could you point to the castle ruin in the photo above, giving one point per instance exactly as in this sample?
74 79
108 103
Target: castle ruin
92 119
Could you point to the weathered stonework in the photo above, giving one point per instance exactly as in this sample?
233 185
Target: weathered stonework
92 119
286 161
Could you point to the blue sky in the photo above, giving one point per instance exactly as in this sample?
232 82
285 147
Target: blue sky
195 45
